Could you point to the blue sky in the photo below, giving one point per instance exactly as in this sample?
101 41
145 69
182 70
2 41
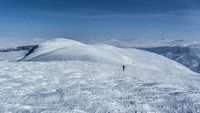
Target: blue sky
178 19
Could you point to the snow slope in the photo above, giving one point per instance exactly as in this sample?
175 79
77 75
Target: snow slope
186 52
65 49
67 76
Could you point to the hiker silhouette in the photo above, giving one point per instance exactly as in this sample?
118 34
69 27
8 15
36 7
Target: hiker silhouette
123 67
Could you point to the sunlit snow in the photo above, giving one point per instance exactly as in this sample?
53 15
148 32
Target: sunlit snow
67 76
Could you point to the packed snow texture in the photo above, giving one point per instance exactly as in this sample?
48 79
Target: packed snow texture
67 76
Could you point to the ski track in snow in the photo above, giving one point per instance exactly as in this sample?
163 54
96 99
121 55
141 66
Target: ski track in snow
78 86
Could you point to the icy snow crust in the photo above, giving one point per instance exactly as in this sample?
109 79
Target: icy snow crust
67 76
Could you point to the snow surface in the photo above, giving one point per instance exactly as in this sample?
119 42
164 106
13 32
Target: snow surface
67 76
12 55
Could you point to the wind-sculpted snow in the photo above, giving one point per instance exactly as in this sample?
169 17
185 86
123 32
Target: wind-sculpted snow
77 86
150 82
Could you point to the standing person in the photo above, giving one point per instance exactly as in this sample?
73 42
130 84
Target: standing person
123 67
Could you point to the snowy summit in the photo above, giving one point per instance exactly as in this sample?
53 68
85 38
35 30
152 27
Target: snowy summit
62 75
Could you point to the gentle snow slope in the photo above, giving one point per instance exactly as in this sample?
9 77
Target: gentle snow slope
64 49
73 77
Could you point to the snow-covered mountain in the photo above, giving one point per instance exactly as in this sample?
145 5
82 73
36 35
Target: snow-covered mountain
188 56
62 75
182 51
